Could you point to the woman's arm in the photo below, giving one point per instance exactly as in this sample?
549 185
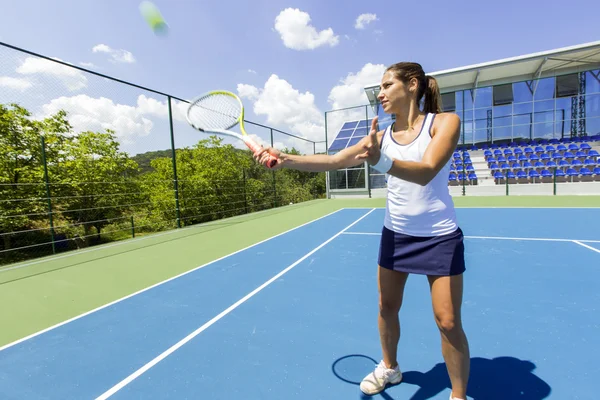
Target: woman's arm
446 133
322 162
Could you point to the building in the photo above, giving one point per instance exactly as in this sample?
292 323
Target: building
528 121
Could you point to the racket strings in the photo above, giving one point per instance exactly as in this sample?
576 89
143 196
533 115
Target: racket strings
215 111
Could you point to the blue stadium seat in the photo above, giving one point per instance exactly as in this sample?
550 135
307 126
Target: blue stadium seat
571 172
546 174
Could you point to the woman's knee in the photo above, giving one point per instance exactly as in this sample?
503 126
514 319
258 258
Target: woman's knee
448 323
390 304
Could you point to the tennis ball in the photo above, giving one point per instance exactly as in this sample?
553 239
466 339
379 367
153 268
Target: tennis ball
153 18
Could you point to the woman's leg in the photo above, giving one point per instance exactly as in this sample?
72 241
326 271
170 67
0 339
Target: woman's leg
446 295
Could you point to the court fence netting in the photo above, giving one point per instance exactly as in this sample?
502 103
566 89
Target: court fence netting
87 159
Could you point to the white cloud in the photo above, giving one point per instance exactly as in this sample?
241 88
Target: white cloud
350 92
363 20
296 32
290 110
248 91
121 56
287 109
97 114
87 64
72 78
14 83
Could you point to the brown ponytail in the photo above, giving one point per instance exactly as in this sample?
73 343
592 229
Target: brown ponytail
432 101
428 89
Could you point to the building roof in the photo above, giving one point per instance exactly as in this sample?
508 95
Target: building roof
531 66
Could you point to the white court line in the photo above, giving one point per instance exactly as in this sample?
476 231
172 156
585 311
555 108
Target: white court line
155 285
189 337
496 238
585 245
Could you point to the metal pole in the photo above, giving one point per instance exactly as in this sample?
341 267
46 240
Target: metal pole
173 159
245 196
366 164
273 175
327 195
43 142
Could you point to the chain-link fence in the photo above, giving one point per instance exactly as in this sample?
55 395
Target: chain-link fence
87 159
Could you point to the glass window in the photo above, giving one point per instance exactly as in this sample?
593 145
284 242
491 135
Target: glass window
592 81
563 109
592 106
544 130
483 97
468 98
503 94
448 102
522 92
545 89
504 132
567 85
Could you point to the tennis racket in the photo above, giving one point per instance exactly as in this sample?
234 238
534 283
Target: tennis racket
219 111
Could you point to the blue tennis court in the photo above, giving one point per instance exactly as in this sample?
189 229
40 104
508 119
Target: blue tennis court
295 317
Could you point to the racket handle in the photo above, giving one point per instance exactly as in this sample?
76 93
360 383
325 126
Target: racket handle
255 147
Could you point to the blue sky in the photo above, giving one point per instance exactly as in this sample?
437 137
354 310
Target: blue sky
262 49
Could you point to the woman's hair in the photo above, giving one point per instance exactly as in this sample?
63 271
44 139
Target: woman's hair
428 86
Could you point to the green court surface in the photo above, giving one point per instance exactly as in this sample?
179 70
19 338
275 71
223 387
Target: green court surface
40 293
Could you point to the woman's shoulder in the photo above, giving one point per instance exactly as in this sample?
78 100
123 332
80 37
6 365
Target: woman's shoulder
445 121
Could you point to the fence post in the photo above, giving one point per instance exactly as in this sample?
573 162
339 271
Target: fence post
327 195
554 182
43 143
173 158
366 164
245 195
273 175
132 228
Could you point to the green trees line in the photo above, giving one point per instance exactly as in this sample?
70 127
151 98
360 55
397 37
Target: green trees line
61 190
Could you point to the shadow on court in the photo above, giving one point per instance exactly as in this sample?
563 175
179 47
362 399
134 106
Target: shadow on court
499 378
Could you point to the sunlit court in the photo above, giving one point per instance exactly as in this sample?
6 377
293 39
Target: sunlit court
200 201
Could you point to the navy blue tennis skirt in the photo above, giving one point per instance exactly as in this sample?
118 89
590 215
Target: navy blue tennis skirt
436 255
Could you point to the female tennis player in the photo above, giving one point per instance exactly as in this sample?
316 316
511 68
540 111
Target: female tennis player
420 233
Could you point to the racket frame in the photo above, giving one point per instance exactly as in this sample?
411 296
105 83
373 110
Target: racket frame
252 145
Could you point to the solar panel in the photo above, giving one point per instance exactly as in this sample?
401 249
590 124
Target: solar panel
352 131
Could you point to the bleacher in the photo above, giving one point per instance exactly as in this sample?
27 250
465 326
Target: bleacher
527 161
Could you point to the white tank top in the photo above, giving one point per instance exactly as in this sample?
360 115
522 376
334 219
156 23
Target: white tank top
413 209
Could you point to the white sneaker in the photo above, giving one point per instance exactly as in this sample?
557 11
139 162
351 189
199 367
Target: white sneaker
376 381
